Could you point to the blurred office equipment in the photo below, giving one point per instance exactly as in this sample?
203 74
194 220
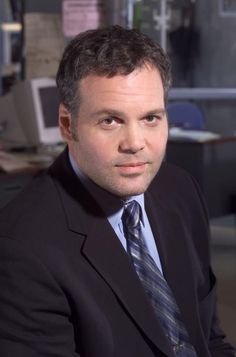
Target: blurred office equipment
211 162
10 44
184 44
11 130
185 115
218 104
30 115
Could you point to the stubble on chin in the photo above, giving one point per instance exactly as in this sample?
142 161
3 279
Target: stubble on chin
127 186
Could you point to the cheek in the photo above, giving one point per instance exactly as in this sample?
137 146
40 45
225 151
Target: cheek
159 143
96 151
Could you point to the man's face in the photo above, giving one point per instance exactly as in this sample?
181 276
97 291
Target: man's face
121 131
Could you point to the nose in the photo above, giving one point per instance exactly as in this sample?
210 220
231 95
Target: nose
132 139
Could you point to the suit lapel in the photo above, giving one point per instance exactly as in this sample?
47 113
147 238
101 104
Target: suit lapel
106 254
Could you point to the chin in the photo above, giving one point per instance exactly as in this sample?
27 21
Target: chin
127 192
127 187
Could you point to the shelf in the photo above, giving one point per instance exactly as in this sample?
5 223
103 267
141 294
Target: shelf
202 93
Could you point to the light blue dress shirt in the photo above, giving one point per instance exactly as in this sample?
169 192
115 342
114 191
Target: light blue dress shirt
106 201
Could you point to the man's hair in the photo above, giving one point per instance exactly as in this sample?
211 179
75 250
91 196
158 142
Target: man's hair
107 52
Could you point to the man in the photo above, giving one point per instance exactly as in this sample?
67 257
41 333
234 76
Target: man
106 254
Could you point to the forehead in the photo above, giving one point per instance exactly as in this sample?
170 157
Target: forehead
140 82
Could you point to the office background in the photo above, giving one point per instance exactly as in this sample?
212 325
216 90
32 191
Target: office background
200 37
204 56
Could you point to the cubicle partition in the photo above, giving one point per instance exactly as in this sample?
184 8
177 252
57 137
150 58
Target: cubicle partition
213 164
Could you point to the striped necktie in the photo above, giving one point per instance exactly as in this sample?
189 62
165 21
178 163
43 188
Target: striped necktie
155 285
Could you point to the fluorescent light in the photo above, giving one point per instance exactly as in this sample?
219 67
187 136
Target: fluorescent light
11 26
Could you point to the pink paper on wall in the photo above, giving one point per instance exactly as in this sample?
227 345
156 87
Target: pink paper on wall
81 15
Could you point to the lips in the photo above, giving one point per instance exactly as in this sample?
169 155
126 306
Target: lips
132 169
135 164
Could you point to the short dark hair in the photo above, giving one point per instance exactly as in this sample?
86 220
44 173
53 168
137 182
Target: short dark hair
109 51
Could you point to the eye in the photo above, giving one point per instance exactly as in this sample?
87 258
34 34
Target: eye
152 119
109 123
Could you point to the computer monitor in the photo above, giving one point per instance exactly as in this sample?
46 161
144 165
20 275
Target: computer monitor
36 104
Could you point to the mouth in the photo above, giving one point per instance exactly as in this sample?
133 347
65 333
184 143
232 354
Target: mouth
132 164
132 168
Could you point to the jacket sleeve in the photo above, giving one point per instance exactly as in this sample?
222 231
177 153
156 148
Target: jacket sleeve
34 312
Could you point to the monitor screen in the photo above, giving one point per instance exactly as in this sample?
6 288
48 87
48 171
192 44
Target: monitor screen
50 103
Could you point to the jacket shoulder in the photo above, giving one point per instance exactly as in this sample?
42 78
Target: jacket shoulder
178 188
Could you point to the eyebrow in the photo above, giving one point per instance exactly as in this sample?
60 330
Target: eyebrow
156 111
117 113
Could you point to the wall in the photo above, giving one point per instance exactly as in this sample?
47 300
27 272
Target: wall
218 46
216 65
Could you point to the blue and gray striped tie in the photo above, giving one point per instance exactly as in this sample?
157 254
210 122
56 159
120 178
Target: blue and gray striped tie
155 286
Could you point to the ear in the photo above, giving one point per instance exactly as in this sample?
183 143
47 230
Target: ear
65 123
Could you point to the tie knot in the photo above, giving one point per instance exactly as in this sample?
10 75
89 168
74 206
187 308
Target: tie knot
132 214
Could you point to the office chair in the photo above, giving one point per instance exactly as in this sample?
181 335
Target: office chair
185 115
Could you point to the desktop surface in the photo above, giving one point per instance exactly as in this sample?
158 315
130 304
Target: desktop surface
19 167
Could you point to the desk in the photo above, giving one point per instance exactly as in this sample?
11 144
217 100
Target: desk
21 167
213 164
19 175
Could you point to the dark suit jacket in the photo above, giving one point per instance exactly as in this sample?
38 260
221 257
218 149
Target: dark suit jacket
68 288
